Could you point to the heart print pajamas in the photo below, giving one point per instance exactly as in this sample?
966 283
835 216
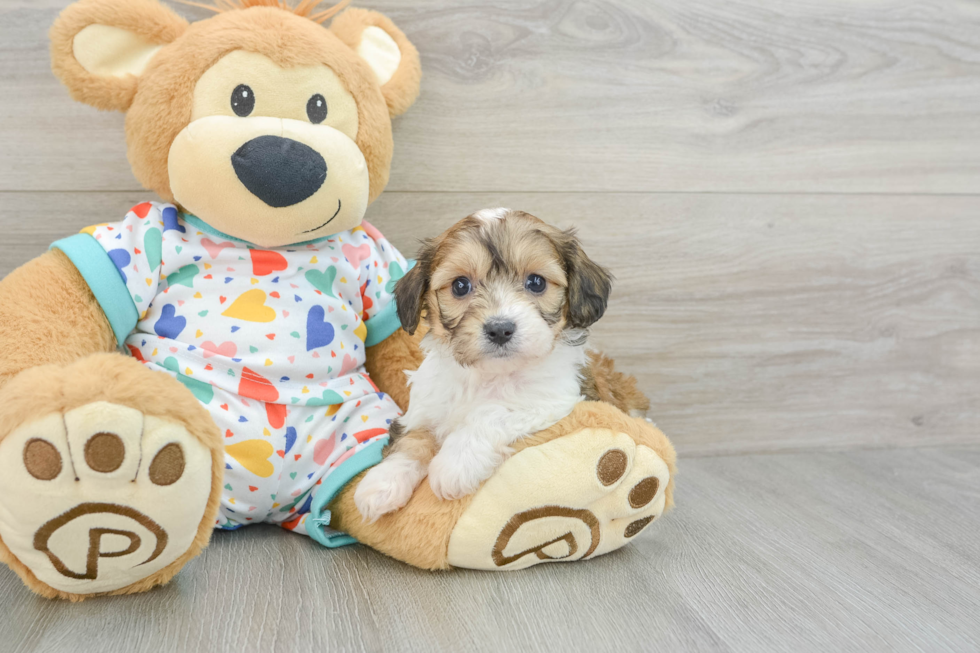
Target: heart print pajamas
271 341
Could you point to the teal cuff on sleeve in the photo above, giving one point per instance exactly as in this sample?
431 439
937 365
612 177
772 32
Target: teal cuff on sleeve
103 279
386 322
382 325
318 523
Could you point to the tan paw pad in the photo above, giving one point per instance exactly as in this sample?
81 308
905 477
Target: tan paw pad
573 498
101 497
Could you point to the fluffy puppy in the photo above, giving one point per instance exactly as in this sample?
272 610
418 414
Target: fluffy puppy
508 300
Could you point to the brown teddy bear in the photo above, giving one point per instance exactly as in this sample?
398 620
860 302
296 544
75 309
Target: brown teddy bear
233 354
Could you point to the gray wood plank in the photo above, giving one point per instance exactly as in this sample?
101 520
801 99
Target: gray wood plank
754 322
620 95
872 551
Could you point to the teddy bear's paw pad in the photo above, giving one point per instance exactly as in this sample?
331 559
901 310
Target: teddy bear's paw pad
101 497
572 498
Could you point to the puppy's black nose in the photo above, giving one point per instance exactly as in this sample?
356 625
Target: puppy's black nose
499 332
279 171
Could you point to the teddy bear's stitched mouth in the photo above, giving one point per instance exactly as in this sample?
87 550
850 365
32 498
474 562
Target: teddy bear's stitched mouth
335 214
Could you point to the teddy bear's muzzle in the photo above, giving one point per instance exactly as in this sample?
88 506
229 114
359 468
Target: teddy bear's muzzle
279 171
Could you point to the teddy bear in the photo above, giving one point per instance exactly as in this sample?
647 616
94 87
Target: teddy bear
231 353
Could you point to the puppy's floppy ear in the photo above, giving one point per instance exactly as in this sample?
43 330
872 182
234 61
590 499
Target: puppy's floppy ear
410 290
589 284
99 48
388 52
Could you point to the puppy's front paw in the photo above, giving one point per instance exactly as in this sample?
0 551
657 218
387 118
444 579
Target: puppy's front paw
385 488
454 477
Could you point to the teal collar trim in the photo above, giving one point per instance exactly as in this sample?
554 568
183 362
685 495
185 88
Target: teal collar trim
206 228
318 523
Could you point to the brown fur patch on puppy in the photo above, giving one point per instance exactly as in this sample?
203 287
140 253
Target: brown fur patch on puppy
411 289
602 382
497 251
419 445
589 284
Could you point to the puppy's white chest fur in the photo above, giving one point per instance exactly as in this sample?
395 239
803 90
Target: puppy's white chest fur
502 405
507 299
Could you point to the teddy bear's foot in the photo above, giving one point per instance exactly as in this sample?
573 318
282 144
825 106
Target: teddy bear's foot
102 497
584 487
572 498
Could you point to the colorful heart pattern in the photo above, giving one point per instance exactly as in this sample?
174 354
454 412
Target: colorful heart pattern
266 262
226 349
254 456
323 280
355 255
153 246
256 386
184 276
169 324
214 249
319 332
270 341
250 306
284 327
272 469
121 259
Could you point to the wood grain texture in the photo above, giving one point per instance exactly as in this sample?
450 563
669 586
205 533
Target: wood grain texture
754 322
674 95
788 195
765 552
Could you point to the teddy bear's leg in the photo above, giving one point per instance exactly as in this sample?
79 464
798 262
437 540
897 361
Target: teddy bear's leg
581 488
110 477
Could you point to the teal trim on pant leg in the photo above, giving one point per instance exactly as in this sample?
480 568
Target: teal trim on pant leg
103 278
318 523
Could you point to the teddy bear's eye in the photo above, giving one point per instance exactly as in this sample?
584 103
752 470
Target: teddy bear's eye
316 109
242 100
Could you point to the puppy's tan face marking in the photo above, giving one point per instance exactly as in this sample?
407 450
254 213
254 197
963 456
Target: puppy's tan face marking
479 297
494 289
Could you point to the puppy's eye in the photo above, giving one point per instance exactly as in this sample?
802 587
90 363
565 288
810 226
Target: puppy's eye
535 283
316 109
461 287
242 100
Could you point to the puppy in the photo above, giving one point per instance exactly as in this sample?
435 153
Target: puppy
507 299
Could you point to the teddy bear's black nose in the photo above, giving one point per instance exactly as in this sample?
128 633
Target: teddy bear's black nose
279 171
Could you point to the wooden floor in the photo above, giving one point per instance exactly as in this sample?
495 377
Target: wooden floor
789 196
862 551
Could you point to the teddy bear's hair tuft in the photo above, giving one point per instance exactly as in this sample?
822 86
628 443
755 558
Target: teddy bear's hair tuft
305 8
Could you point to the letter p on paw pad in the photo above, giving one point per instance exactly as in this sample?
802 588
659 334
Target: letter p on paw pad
101 497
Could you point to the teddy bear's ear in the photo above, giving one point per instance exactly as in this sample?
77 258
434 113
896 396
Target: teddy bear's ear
99 48
385 48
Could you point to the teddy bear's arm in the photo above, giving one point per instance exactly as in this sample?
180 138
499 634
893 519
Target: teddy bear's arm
387 361
48 315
